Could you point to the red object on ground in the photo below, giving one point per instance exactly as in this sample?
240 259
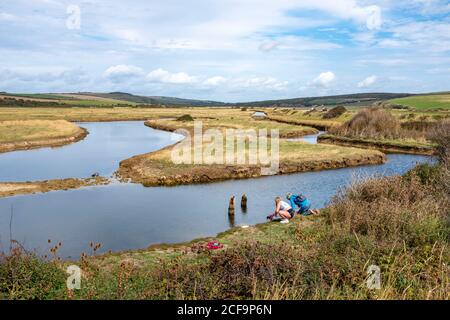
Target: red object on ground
214 245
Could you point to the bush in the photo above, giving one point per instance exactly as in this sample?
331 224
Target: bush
335 112
241 272
186 117
385 209
379 123
24 275
370 122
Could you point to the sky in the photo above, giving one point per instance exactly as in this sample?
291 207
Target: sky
225 50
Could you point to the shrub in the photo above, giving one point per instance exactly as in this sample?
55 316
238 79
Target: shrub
24 275
186 117
379 123
370 122
335 112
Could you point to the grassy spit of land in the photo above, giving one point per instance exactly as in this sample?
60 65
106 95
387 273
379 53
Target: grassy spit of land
30 134
157 168
8 189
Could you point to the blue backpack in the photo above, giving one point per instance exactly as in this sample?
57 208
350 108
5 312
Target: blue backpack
299 199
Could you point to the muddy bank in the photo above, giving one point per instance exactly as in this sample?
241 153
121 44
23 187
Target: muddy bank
8 189
42 143
149 172
376 145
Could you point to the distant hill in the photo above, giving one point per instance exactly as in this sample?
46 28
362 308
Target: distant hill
346 99
123 98
153 100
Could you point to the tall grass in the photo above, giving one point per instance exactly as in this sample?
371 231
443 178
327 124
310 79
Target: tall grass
379 123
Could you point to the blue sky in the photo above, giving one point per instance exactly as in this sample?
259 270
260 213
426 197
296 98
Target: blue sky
227 50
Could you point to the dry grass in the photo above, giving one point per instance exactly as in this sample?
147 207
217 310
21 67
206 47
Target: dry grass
377 123
29 130
233 121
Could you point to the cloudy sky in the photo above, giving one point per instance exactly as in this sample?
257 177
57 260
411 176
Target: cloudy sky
228 50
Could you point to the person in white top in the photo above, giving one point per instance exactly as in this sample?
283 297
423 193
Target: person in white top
284 210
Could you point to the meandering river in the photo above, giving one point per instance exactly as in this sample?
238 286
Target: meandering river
124 216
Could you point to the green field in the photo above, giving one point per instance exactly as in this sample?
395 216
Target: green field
69 99
424 102
37 96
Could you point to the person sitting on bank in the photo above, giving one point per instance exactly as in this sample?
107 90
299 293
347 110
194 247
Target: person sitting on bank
284 210
302 203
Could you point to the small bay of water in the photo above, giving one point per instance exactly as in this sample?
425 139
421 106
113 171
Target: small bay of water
101 151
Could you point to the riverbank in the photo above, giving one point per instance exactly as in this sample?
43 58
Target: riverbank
384 146
34 134
8 189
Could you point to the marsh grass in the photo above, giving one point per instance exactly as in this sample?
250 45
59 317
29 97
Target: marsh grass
377 123
29 130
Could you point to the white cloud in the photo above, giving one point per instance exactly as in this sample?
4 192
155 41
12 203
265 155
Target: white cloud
214 81
263 83
164 76
122 72
367 82
324 79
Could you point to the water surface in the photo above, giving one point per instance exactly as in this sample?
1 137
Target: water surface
101 151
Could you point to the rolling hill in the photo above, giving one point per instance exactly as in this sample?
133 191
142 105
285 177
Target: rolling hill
116 99
153 100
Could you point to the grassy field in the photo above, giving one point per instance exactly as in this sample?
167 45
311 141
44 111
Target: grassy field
114 114
425 102
237 120
18 131
68 99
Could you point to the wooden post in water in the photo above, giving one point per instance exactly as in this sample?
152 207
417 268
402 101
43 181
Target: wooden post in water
231 206
244 202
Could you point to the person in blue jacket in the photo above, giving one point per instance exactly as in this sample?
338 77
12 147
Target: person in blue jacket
302 203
